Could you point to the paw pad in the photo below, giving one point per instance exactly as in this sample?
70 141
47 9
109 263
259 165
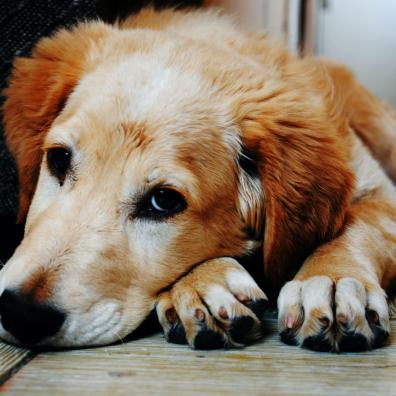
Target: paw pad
318 343
288 337
353 342
240 328
177 334
207 339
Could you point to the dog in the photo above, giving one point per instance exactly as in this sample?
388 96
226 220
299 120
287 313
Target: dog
159 154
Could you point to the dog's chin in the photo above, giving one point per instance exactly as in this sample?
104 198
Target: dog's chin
66 339
149 326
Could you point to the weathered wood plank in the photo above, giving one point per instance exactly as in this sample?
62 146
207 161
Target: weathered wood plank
151 366
11 358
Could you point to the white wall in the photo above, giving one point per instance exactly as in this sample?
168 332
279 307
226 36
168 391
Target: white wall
260 15
358 33
362 34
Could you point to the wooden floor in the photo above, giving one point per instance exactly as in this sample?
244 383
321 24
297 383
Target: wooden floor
151 366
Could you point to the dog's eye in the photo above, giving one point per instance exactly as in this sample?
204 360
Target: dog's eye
162 202
58 160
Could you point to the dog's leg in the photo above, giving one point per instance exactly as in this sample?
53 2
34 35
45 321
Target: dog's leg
337 299
216 305
371 119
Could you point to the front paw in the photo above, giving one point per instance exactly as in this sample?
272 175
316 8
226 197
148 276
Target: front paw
323 315
216 305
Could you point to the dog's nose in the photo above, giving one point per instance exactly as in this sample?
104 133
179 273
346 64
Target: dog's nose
28 320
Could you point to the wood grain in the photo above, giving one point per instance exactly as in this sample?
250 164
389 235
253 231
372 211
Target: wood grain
11 358
151 366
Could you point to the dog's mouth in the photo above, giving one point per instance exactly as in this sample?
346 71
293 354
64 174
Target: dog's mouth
149 326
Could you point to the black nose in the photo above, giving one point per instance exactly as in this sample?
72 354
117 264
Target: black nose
28 320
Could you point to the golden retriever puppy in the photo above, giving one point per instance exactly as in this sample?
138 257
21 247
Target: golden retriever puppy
156 154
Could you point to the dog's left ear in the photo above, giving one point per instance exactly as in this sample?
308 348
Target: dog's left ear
38 89
298 157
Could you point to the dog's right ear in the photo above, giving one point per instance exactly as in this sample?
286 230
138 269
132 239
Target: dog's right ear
38 90
298 184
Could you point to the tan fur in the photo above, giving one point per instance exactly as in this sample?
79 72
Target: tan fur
371 119
171 98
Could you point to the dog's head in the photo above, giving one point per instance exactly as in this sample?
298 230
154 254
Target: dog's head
140 156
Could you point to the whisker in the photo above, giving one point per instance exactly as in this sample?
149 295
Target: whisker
119 337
